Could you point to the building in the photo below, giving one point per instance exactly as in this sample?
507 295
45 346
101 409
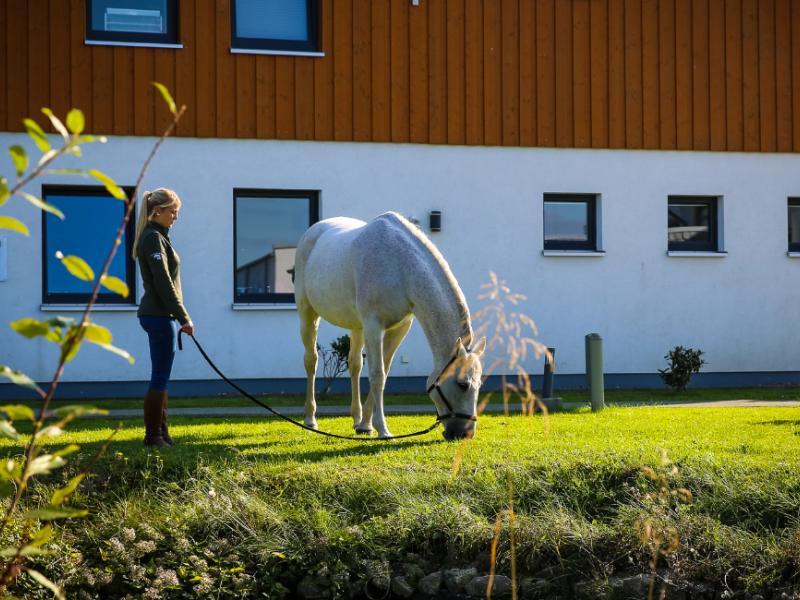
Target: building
629 165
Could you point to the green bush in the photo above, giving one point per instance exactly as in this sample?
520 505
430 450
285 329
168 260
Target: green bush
683 363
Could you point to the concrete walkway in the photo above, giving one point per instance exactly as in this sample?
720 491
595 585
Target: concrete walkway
341 409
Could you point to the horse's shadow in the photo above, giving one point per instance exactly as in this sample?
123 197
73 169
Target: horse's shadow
782 423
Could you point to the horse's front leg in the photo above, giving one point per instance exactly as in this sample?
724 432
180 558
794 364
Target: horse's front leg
309 324
373 337
355 362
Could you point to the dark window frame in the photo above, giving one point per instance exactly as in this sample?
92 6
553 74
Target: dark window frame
313 216
793 247
104 296
713 220
171 37
590 200
313 44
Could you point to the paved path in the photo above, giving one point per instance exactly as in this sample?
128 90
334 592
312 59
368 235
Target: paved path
341 409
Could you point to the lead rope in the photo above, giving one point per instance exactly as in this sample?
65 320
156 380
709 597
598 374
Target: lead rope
292 421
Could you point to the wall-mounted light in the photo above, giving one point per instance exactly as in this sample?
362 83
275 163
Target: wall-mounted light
435 220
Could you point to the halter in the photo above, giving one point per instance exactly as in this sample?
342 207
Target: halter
435 386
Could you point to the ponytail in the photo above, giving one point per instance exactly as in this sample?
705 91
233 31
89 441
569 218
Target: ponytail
160 198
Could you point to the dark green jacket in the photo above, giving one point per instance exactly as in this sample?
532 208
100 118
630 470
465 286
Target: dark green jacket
161 275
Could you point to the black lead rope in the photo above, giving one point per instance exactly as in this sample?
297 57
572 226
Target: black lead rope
292 421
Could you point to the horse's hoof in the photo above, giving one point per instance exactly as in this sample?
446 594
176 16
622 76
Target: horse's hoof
364 431
312 425
385 435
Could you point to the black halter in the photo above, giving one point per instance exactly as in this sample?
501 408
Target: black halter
435 386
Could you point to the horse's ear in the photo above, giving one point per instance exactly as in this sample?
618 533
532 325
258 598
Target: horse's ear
480 347
462 352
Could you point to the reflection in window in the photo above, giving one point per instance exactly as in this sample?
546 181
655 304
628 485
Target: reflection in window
794 224
569 222
92 217
153 21
691 223
268 225
285 25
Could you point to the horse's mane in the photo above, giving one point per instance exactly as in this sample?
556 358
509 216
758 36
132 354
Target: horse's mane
420 237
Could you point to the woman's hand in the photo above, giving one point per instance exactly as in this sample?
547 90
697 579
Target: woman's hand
188 327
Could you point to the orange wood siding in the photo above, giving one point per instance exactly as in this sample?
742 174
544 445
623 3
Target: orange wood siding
719 75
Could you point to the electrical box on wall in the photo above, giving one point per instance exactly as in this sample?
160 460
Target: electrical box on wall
3 257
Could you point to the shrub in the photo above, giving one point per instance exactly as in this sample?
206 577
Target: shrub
683 363
334 361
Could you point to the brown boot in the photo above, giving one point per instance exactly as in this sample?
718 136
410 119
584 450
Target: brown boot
164 425
153 416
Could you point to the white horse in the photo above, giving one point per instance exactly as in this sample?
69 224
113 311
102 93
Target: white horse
373 279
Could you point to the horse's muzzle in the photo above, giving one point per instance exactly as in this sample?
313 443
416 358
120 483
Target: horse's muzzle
458 429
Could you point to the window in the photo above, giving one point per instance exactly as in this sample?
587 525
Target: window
692 224
277 25
794 224
92 217
570 222
267 226
132 21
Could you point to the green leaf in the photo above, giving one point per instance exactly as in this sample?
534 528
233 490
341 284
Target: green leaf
53 513
110 184
116 285
97 334
44 581
51 431
41 537
12 469
91 139
68 449
14 225
76 121
57 124
39 203
37 135
118 351
166 95
76 266
71 343
30 328
20 158
18 412
7 488
44 464
4 193
7 430
19 378
78 410
63 493
60 321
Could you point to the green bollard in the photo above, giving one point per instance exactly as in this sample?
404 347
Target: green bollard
594 370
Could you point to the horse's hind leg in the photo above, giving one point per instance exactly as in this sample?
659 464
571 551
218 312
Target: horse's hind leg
355 362
373 338
309 324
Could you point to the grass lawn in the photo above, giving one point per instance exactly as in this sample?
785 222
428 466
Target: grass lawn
250 507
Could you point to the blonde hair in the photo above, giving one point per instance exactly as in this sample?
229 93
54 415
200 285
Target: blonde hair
152 201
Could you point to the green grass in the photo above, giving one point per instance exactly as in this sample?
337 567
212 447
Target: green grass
263 504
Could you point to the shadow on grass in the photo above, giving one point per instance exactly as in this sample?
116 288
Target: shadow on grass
781 422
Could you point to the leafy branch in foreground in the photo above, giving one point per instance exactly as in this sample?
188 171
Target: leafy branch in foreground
68 334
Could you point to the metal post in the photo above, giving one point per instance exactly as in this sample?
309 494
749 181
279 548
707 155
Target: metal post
547 387
594 370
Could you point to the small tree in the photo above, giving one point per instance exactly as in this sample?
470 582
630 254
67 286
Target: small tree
334 361
683 363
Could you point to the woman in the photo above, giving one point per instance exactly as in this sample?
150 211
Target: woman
162 304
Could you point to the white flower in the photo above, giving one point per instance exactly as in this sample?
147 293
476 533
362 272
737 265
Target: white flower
128 534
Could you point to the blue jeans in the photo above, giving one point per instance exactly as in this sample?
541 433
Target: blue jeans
163 334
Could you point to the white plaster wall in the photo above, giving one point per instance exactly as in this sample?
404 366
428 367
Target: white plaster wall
741 310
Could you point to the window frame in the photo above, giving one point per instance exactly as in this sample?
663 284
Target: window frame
170 38
713 245
591 202
103 296
791 201
313 216
312 45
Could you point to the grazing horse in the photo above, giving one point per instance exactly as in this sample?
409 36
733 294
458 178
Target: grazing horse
373 279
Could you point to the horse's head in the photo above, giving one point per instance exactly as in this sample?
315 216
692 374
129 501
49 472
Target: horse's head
454 391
